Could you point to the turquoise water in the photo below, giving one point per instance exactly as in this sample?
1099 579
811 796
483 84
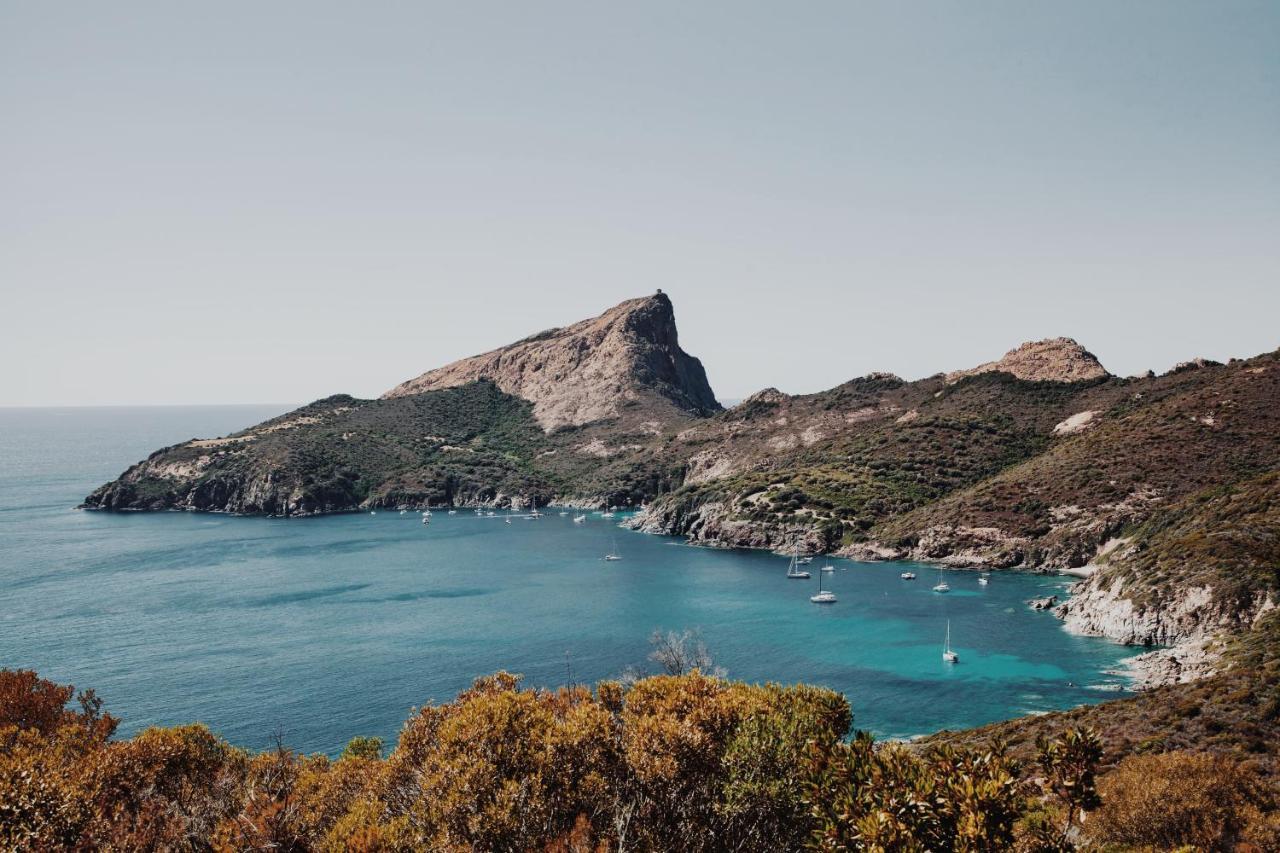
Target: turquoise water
331 627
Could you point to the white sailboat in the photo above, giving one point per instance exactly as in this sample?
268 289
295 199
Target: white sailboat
828 568
794 572
824 596
947 654
908 576
579 519
984 579
941 585
613 554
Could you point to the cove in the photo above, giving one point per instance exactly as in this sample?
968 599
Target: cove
326 628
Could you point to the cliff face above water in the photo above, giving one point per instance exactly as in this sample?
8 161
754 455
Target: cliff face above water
586 372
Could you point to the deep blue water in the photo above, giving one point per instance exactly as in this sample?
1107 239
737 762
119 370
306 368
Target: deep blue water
326 628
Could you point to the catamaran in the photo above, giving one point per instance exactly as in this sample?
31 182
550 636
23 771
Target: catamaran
824 596
947 654
794 572
941 585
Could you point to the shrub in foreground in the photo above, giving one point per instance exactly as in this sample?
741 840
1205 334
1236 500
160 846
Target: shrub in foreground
671 762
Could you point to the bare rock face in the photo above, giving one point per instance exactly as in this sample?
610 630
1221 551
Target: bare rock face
1050 360
586 372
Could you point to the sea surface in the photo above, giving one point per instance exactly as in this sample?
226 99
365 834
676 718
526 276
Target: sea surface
321 629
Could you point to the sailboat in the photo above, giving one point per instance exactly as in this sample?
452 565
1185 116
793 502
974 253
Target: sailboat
941 585
579 519
824 596
794 572
828 568
613 554
947 654
984 578
908 576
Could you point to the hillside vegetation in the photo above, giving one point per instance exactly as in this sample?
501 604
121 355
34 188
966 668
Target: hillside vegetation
675 762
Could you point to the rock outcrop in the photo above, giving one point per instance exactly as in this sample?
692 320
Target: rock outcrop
586 372
1050 360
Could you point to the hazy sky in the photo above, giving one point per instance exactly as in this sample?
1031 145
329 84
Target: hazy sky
237 202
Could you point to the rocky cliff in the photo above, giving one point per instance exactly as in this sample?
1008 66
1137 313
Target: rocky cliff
586 372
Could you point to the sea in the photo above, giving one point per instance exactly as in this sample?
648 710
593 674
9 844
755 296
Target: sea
317 630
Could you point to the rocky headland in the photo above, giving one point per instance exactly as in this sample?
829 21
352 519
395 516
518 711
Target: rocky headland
1157 490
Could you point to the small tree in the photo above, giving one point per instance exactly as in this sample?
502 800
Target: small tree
363 747
1069 763
682 653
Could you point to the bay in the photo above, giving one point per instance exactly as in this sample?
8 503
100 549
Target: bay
322 629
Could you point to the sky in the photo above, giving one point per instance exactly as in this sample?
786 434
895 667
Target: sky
272 202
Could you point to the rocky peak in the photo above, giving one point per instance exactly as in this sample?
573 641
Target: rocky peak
766 395
587 371
1050 360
